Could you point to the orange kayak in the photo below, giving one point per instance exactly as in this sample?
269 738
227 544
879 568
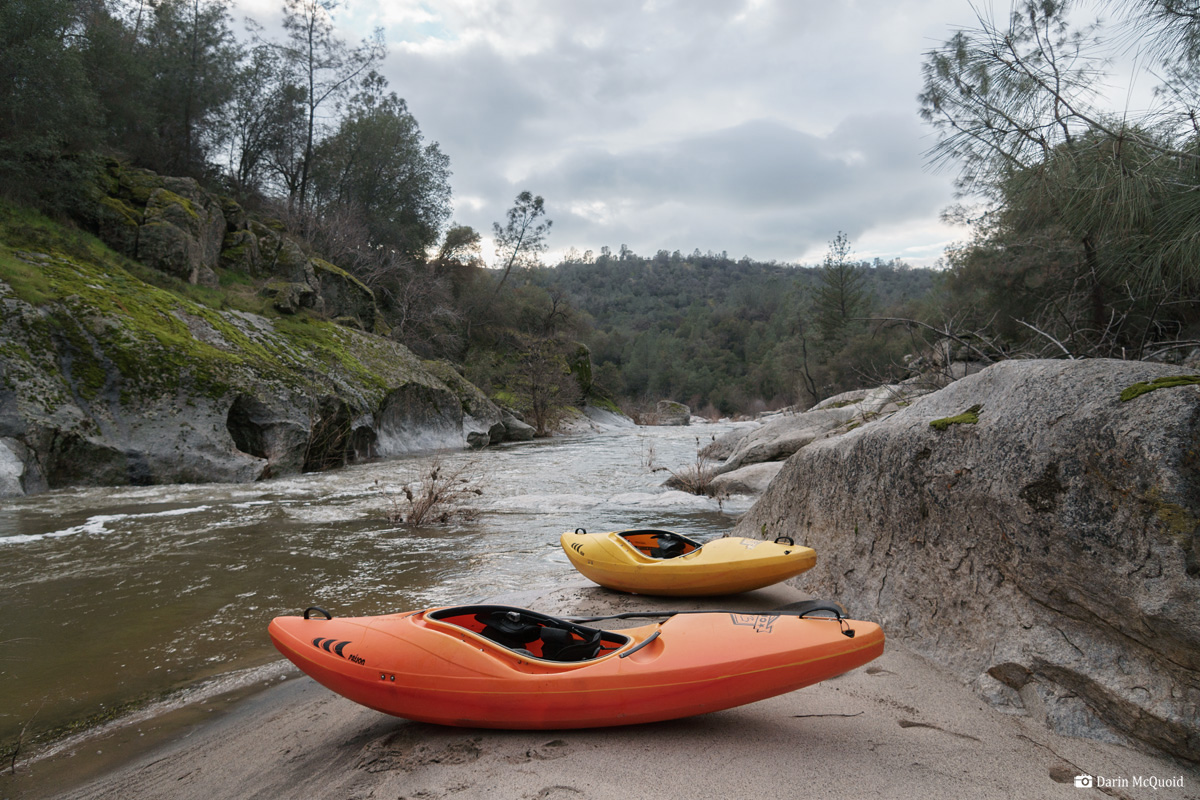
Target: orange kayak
495 666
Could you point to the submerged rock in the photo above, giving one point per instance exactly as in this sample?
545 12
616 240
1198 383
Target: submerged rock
1045 546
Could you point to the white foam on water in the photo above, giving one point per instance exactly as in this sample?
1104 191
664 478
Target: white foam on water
672 499
547 503
322 514
97 525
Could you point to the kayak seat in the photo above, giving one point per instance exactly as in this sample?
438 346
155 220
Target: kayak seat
655 543
508 628
529 633
668 546
559 645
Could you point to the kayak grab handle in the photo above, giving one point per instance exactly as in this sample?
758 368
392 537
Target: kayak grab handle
830 607
640 644
581 530
310 609
785 540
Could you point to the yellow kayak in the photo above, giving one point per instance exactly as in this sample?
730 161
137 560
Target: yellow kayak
666 563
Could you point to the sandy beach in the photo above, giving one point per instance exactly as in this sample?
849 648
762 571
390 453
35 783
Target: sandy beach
899 727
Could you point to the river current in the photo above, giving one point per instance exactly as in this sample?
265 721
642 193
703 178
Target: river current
113 595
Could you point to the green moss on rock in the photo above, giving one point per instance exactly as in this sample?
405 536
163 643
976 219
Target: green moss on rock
968 417
1165 382
162 201
83 322
121 211
137 184
602 402
321 265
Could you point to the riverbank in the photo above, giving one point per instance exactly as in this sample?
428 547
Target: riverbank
899 727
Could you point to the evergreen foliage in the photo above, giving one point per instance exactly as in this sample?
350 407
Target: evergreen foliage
1089 244
710 331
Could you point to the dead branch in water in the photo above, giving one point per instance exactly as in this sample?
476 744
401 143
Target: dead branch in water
435 496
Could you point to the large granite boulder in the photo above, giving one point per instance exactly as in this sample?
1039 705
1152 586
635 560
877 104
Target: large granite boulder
515 428
721 447
418 416
783 434
1029 528
669 412
752 479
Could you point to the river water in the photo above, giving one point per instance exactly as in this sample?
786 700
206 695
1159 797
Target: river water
112 596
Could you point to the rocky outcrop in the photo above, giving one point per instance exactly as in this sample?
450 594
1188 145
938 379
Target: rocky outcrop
783 434
592 419
482 420
752 479
169 224
174 226
1030 529
109 381
344 298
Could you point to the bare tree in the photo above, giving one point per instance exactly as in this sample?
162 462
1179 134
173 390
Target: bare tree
326 69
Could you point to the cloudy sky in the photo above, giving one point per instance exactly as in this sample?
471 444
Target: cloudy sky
757 127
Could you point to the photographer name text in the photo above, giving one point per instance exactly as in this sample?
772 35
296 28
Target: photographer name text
1136 782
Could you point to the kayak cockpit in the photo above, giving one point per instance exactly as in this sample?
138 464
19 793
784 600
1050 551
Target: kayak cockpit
532 634
660 544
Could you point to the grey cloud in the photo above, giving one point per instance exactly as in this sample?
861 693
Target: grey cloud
757 185
763 136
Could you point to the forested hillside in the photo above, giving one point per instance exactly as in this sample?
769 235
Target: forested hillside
721 334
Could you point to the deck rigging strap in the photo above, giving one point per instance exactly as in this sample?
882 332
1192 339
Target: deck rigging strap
792 610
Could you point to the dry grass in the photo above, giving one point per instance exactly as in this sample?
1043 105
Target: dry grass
696 478
437 495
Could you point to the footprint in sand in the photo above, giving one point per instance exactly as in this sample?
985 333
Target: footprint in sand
558 793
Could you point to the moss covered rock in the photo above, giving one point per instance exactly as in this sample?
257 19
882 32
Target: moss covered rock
344 296
107 379
669 412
